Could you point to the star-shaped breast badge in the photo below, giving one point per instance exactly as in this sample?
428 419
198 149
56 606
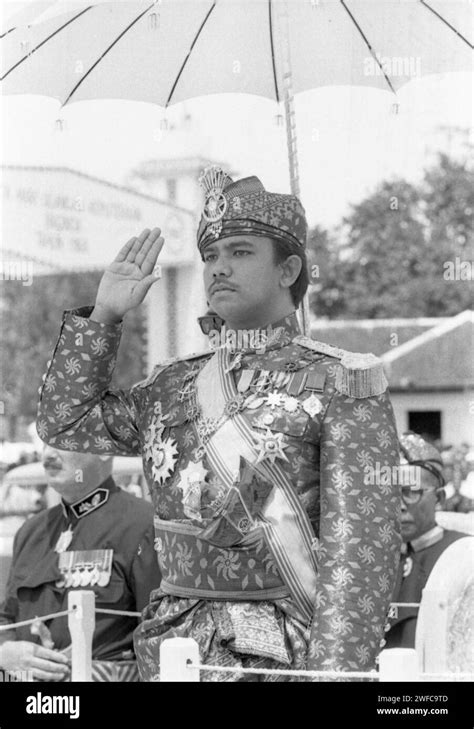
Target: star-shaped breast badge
194 473
154 433
274 400
270 446
165 455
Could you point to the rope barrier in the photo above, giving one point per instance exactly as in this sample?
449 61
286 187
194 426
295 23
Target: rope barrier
286 672
454 676
372 675
127 613
22 623
180 656
180 661
62 613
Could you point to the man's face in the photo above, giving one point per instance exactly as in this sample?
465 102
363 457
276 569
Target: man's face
420 517
68 472
241 278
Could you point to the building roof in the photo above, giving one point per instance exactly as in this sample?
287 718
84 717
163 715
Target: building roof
99 180
157 167
372 335
418 354
439 358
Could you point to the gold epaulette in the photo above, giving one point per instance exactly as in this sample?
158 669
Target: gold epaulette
320 347
359 375
159 368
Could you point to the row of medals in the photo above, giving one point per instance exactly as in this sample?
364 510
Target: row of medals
85 568
265 389
293 382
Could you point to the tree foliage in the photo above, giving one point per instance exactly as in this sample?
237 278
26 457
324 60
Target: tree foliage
391 256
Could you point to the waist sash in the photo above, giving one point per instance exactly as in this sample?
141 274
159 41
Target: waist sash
192 567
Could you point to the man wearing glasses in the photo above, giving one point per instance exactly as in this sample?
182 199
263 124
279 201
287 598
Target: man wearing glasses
424 541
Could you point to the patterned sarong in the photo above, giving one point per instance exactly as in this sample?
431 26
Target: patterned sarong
245 635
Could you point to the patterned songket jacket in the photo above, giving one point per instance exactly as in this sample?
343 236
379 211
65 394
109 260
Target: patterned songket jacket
269 462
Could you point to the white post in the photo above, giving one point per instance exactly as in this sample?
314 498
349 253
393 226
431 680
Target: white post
434 647
398 664
175 655
447 587
81 624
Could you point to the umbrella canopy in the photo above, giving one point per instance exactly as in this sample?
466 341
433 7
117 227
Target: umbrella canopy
168 51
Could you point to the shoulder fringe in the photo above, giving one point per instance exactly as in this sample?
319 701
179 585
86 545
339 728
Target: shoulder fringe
320 347
159 368
360 376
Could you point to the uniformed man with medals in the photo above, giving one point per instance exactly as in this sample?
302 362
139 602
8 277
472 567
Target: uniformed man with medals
98 538
276 547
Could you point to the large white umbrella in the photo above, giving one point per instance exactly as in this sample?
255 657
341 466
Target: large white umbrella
167 51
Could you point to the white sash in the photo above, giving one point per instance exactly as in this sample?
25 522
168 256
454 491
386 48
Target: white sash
285 522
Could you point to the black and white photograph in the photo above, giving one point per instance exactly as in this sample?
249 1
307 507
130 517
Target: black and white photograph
236 373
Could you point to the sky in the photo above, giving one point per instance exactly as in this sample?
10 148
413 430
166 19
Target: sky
349 138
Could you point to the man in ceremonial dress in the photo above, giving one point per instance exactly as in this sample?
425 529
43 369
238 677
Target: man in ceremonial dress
275 549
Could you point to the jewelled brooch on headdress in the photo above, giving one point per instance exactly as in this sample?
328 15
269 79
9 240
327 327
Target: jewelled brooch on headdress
213 181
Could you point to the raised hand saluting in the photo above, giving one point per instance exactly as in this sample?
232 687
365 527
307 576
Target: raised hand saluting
126 281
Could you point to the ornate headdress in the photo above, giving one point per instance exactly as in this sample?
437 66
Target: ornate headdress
245 207
213 180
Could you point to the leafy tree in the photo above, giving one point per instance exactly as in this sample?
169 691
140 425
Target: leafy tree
381 256
326 297
448 194
395 249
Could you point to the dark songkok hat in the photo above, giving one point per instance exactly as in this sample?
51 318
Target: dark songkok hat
245 207
417 451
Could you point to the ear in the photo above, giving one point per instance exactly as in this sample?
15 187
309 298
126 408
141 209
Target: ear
290 270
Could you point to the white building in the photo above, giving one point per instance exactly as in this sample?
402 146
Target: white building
432 381
56 219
